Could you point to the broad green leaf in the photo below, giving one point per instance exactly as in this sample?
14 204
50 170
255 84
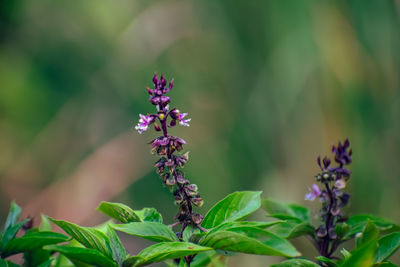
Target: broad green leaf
209 258
188 233
238 242
163 251
387 245
267 238
34 258
292 229
362 256
10 233
370 232
46 263
13 215
275 207
4 263
149 215
149 230
296 263
356 224
327 261
63 261
32 241
119 212
118 250
125 214
233 207
89 237
238 224
85 255
45 225
341 229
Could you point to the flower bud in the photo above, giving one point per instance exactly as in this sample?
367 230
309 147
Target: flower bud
155 100
332 233
197 201
156 127
170 181
180 179
169 163
197 218
335 211
321 232
164 100
29 224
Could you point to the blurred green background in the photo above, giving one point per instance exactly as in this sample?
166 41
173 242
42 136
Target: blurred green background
269 86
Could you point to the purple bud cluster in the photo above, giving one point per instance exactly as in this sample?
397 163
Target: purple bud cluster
168 147
333 180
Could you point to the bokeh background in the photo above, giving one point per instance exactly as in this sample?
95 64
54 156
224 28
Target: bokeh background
269 86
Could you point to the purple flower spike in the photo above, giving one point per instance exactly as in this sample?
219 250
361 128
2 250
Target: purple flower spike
170 164
314 193
183 122
333 178
144 123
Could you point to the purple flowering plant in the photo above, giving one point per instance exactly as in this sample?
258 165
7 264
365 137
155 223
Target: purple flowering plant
376 239
194 240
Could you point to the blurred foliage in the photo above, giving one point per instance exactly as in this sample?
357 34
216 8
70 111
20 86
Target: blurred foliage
268 84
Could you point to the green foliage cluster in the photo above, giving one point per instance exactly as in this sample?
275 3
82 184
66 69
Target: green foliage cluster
376 239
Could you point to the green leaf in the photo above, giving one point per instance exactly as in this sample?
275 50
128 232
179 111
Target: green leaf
233 207
341 229
357 223
296 263
10 233
163 251
370 232
188 233
89 237
209 258
119 211
238 224
278 208
46 263
125 214
362 256
32 241
45 225
238 242
292 229
118 250
149 230
267 238
85 255
13 215
149 215
328 262
346 254
4 263
35 257
63 261
387 245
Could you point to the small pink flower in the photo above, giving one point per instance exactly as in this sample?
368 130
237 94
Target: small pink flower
144 123
182 121
314 193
